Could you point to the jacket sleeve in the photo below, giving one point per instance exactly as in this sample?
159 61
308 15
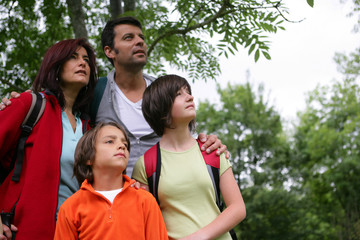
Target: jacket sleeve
11 119
65 228
154 225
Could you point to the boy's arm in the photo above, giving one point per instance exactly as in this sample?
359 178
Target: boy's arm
154 223
65 229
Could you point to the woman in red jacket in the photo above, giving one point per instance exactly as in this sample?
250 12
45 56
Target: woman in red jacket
67 78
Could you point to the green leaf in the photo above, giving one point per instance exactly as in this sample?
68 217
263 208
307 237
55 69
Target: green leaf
252 48
257 55
310 2
266 55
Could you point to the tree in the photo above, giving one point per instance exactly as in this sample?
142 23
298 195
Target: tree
177 32
251 130
327 152
261 159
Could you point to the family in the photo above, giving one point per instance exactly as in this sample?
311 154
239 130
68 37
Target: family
87 177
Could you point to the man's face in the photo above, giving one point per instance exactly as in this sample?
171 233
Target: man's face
129 46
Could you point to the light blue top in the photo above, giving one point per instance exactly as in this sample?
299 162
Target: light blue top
68 184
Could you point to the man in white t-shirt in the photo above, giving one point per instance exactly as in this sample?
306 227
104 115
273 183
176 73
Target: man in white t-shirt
123 44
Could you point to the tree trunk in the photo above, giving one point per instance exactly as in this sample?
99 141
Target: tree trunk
77 17
129 5
115 8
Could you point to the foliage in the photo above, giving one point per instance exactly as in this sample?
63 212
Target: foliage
27 29
262 161
178 33
327 152
252 131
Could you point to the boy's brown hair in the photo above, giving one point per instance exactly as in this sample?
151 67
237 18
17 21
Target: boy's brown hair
85 151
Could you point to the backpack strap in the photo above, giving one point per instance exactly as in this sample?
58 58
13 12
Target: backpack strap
152 162
36 110
98 94
213 165
212 162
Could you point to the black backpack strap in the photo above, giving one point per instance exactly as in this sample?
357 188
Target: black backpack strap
214 173
215 178
153 180
34 114
156 176
98 94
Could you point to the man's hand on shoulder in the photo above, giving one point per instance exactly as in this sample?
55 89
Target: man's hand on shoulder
6 102
212 143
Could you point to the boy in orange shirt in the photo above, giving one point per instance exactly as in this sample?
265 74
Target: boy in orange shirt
106 207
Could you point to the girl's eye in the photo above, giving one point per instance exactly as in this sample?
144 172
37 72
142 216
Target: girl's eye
109 141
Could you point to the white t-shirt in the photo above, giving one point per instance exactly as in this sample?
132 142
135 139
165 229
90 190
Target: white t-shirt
131 114
111 194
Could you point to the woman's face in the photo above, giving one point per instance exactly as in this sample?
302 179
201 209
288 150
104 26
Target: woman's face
75 72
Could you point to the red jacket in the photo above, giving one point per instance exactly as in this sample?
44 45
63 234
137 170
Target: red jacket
37 190
134 214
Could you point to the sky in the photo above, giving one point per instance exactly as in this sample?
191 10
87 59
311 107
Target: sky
302 57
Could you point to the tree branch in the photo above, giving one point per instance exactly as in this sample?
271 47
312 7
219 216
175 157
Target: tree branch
12 85
221 13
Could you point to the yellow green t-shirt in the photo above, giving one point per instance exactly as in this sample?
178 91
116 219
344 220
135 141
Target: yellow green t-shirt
186 194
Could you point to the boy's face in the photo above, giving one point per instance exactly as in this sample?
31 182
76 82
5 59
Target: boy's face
183 109
111 151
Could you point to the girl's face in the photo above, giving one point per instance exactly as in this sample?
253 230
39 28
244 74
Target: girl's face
183 109
111 150
75 72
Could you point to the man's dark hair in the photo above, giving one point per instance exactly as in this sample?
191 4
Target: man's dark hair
108 34
158 100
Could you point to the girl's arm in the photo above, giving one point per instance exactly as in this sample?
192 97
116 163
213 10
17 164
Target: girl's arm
234 213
